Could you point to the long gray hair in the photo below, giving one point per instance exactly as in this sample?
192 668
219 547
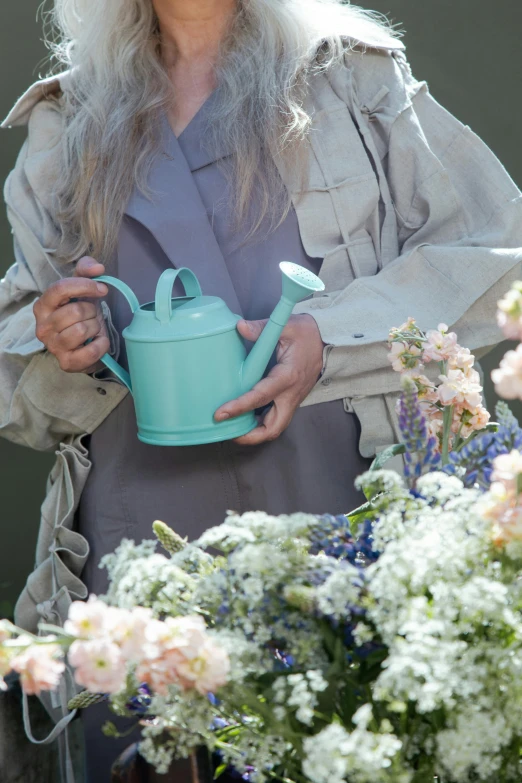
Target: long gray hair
119 88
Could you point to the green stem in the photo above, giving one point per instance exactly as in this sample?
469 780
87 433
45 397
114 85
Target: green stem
446 432
491 427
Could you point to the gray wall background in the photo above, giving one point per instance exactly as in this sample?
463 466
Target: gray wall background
470 53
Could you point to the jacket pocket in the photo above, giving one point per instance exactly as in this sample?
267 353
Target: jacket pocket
61 552
362 254
378 421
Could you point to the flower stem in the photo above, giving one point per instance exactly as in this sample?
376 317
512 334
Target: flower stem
446 432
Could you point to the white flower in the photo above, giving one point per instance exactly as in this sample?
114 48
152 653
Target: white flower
362 756
340 591
324 759
298 690
473 746
362 634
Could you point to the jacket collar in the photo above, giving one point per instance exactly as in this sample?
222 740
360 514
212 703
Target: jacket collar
184 233
21 111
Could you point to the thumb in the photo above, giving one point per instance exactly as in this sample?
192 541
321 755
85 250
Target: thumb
251 330
88 267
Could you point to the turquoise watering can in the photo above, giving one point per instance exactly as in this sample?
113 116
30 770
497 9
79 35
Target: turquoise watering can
186 357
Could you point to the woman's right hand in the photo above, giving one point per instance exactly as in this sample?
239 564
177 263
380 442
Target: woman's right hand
64 326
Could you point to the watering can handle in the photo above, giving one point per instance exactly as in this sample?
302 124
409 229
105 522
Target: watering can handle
132 299
164 290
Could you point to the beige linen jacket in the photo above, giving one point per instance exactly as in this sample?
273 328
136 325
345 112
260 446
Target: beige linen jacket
411 211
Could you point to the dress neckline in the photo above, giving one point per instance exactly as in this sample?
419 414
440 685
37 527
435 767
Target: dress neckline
195 119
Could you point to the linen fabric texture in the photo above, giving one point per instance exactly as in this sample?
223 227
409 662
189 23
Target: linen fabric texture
191 224
411 212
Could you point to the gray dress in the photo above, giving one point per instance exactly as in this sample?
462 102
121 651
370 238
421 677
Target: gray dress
311 467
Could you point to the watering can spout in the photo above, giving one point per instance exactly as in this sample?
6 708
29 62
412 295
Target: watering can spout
298 283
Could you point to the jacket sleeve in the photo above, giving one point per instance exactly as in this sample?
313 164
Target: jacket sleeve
39 403
459 218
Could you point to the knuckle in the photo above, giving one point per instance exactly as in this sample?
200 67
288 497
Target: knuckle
60 287
80 329
80 267
293 376
92 353
76 311
274 433
65 362
41 332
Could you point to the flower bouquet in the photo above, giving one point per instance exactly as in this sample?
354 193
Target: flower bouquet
381 646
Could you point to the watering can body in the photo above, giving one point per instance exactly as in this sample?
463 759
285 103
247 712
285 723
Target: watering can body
186 359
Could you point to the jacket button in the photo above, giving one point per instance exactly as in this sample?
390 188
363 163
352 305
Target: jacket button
101 391
326 381
358 334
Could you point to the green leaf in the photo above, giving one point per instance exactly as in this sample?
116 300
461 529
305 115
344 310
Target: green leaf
382 458
360 511
220 770
491 427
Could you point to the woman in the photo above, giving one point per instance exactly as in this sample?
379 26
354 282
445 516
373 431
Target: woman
227 135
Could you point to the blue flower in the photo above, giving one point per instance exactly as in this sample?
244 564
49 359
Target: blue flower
333 536
140 703
474 462
421 447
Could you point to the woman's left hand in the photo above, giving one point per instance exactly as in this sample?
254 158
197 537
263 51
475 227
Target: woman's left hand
299 364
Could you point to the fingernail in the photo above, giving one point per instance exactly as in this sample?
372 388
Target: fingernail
102 288
223 416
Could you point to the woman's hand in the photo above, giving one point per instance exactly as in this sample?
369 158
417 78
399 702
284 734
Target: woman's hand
64 326
300 361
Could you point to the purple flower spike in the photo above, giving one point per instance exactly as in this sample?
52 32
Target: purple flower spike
421 448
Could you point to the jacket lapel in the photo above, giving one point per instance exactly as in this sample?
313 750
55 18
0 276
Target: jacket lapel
175 215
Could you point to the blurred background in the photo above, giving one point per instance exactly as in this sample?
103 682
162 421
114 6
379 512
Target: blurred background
470 53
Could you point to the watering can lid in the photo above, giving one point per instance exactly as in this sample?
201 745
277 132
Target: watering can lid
192 317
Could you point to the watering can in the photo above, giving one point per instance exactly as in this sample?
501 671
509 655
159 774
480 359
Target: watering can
186 357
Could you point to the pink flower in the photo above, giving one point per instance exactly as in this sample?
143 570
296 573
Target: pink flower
180 651
409 327
467 420
502 508
99 665
512 327
40 667
403 356
425 388
462 359
508 527
128 631
207 671
506 470
88 619
508 377
509 314
480 417
456 387
441 344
